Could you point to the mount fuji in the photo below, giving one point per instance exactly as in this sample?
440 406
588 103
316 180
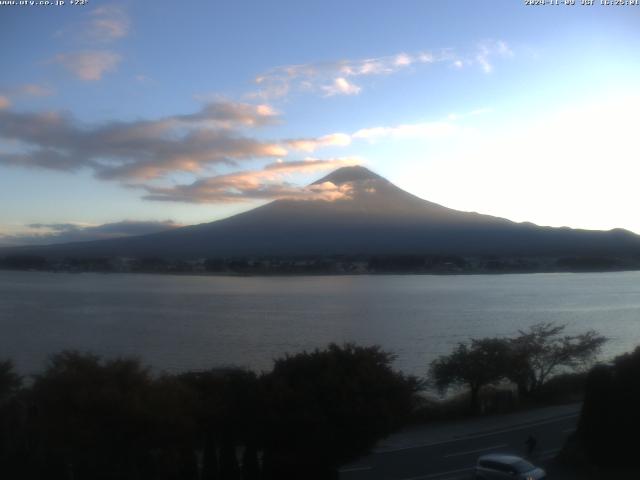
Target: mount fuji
372 217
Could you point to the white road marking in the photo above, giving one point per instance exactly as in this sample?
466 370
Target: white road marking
443 475
479 435
468 452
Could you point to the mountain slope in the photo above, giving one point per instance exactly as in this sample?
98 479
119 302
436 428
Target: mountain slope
375 217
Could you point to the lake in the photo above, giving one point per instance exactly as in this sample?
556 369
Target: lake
175 323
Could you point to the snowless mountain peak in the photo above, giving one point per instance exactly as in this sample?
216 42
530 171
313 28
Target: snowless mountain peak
344 175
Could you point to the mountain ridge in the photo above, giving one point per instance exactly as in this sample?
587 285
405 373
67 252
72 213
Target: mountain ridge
374 217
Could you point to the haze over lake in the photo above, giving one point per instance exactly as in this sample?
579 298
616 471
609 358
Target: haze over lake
195 322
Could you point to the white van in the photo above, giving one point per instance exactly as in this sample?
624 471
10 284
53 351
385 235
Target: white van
499 466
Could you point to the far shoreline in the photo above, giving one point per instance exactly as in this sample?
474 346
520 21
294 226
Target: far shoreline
324 274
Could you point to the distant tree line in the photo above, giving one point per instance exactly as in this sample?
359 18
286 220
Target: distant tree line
84 417
322 265
245 265
528 360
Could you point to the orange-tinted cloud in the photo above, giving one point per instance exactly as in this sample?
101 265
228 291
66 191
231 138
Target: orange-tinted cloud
90 65
265 184
143 149
312 144
10 94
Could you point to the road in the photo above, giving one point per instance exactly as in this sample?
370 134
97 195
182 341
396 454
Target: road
455 459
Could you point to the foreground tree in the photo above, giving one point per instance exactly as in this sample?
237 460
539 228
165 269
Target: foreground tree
11 433
96 419
327 407
475 365
528 360
10 381
542 351
228 415
610 417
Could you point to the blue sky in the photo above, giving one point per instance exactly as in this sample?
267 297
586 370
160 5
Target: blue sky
153 114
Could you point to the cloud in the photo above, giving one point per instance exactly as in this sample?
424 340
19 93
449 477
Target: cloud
143 149
89 65
337 77
341 86
333 78
406 131
226 114
307 165
104 24
265 184
420 130
109 23
410 130
8 94
486 52
312 144
39 233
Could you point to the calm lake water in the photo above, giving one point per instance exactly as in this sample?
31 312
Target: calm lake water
175 323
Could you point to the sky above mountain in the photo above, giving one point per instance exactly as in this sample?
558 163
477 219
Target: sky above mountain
131 116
